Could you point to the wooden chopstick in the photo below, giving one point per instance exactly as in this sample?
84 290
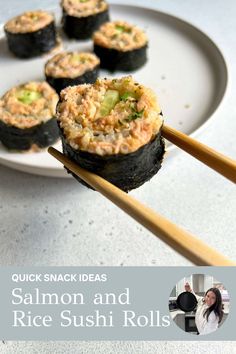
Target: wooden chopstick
218 162
180 240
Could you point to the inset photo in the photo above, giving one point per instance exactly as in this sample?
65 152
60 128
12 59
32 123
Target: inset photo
199 304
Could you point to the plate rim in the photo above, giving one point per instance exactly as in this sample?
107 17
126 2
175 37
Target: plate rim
57 172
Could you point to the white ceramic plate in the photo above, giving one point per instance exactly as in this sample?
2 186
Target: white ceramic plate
185 68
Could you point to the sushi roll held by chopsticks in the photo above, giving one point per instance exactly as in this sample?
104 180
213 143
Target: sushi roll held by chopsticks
120 46
112 128
71 68
31 34
82 17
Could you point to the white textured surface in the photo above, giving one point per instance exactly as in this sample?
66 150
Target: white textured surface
119 348
47 221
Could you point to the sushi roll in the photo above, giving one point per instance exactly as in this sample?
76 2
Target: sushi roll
82 17
120 46
112 128
31 34
71 68
27 117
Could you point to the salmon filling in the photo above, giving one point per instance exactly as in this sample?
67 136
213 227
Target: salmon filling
71 64
120 35
29 21
84 8
109 117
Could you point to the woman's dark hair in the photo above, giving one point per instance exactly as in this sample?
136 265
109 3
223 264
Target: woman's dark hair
217 307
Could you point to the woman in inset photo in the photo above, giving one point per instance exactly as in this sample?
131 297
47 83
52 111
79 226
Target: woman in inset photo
209 312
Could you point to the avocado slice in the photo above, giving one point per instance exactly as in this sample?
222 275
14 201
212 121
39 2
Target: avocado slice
120 28
111 98
27 97
126 95
76 59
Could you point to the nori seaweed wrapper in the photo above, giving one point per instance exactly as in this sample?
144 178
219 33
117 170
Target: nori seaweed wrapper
59 83
31 44
126 171
113 59
83 27
43 135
